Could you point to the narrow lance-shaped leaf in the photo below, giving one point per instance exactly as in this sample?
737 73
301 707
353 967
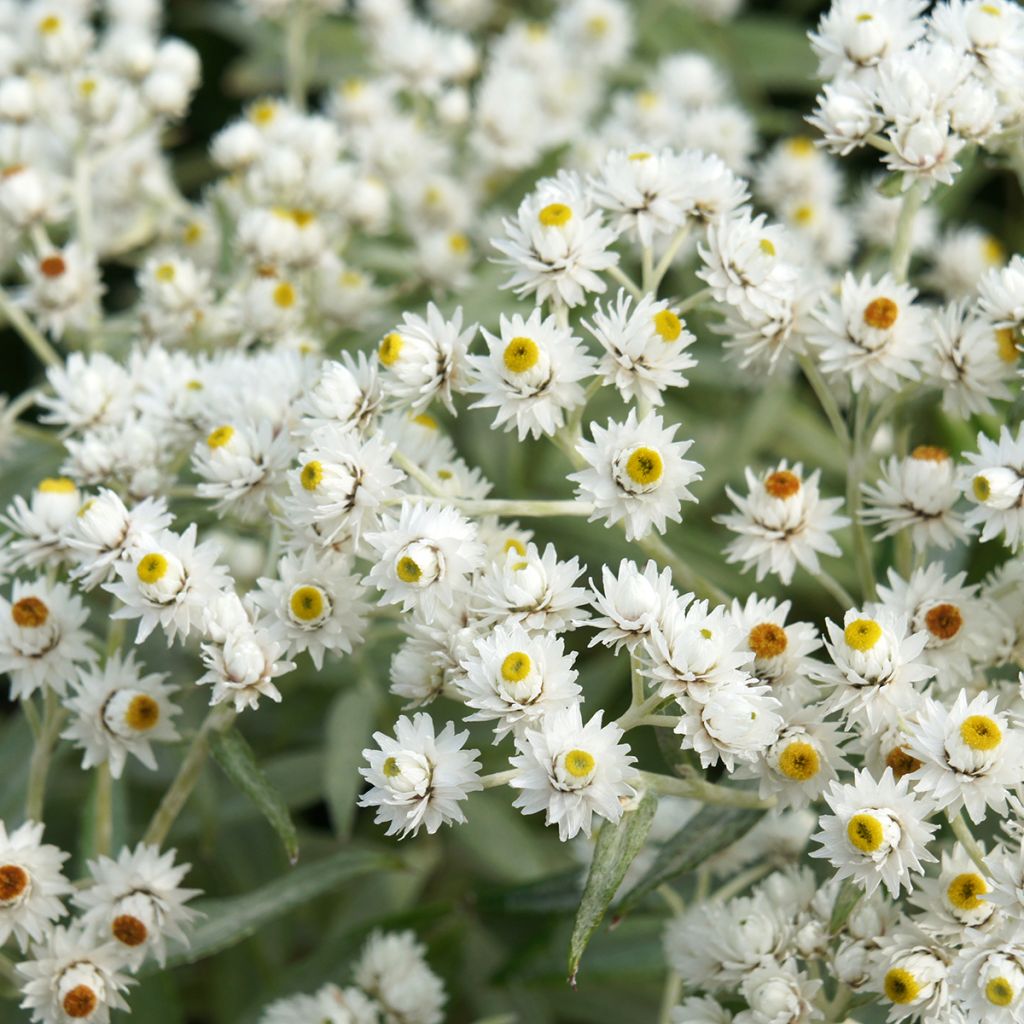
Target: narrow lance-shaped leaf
616 847
349 725
712 829
235 756
846 900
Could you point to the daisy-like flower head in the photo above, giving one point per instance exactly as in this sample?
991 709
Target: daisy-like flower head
872 334
557 245
637 474
426 359
243 657
63 290
31 884
912 972
875 663
393 970
951 615
420 777
105 531
782 522
531 375
878 833
696 651
341 483
734 722
315 604
957 899
646 192
989 977
781 650
168 584
38 524
994 483
1001 296
138 902
778 992
631 606
971 756
572 771
917 493
425 556
536 590
117 711
846 115
1006 867
43 642
644 347
514 679
88 391
73 978
348 393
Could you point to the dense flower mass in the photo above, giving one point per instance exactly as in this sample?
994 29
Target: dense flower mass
498 437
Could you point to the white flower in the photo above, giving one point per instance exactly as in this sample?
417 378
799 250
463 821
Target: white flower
778 993
846 115
138 902
572 771
243 658
314 605
88 392
62 291
912 970
348 393
971 756
536 590
73 978
42 640
631 606
31 884
531 374
557 245
39 524
917 493
994 482
426 359
392 969
168 584
700 1010
988 977
855 36
872 334
782 522
118 711
644 347
419 778
958 899
637 474
875 664
515 679
877 833
425 556
1001 295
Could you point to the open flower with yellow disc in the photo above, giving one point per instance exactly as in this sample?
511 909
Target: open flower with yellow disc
878 833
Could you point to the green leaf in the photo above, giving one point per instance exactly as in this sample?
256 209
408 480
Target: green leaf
15 755
349 724
235 756
711 830
847 899
555 894
891 186
617 845
229 921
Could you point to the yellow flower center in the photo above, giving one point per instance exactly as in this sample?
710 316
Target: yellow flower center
965 891
999 992
424 419
311 474
152 567
800 145
389 769
929 453
193 233
220 437
307 603
390 348
143 713
980 732
57 485
767 640
407 570
50 24
579 764
803 214
521 354
516 667
799 761
668 325
351 279
901 986
555 215
981 487
165 272
991 248
881 313
767 246
514 545
782 484
862 634
865 832
640 156
29 612
284 295
865 17
991 10
597 25
1006 343
458 243
644 466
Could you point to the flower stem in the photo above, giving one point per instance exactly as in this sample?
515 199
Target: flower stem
854 472
636 712
965 837
707 792
508 507
693 301
496 779
647 270
42 753
296 34
902 247
104 824
30 334
670 994
661 269
217 719
627 282
686 577
738 883
835 588
826 399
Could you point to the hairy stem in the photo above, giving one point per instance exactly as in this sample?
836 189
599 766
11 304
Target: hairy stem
30 334
42 753
902 246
